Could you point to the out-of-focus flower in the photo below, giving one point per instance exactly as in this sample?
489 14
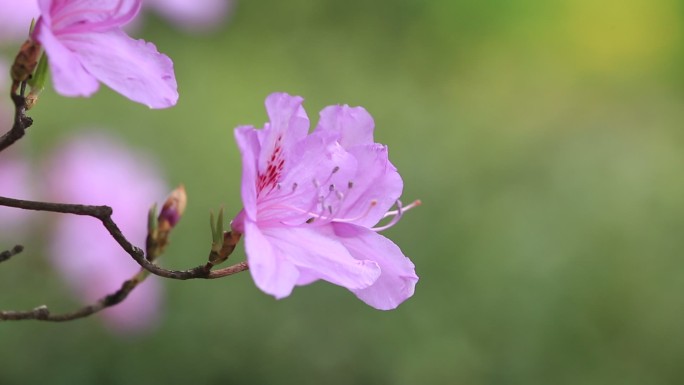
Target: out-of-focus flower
193 15
85 44
99 170
15 19
15 182
310 202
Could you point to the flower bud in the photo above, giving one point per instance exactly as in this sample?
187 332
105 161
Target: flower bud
25 62
173 209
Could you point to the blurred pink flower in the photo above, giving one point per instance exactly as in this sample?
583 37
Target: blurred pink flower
15 182
85 45
310 201
98 170
15 19
193 15
15 177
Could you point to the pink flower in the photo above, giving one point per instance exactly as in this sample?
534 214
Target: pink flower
85 44
15 182
99 170
310 202
15 19
193 15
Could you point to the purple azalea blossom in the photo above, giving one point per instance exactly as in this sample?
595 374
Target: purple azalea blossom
15 19
98 170
86 45
310 201
193 15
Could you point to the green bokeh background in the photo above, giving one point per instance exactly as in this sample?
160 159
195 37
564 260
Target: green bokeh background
544 138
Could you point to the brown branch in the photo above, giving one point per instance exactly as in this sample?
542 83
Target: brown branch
104 214
7 254
21 121
42 313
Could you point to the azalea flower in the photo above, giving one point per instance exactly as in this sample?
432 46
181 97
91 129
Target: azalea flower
98 170
311 201
193 15
86 45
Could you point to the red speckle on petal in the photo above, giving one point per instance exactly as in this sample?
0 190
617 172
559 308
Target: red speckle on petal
269 179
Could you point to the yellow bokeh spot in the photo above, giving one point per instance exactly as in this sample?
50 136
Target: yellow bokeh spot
621 35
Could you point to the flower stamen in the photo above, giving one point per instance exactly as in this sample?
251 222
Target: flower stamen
396 214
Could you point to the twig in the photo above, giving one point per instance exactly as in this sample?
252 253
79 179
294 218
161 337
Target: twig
104 214
21 122
7 254
42 313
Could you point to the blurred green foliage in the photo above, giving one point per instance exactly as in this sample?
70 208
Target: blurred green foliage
544 138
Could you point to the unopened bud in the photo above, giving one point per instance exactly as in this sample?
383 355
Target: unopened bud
26 61
173 209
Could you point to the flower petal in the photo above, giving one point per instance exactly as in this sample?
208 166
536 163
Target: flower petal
88 15
134 68
249 146
68 75
321 169
354 125
288 125
377 181
316 250
398 279
271 271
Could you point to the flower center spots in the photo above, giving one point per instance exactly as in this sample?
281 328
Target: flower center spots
268 180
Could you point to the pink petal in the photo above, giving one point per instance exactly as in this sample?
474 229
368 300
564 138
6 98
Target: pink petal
271 271
288 125
377 180
398 278
68 75
316 164
306 277
354 125
82 15
249 146
317 251
134 68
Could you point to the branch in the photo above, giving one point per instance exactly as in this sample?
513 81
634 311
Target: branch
42 313
104 214
21 121
7 254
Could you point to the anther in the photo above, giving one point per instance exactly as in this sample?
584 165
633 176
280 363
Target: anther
331 187
336 169
350 184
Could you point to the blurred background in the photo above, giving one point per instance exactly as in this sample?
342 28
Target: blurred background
544 139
